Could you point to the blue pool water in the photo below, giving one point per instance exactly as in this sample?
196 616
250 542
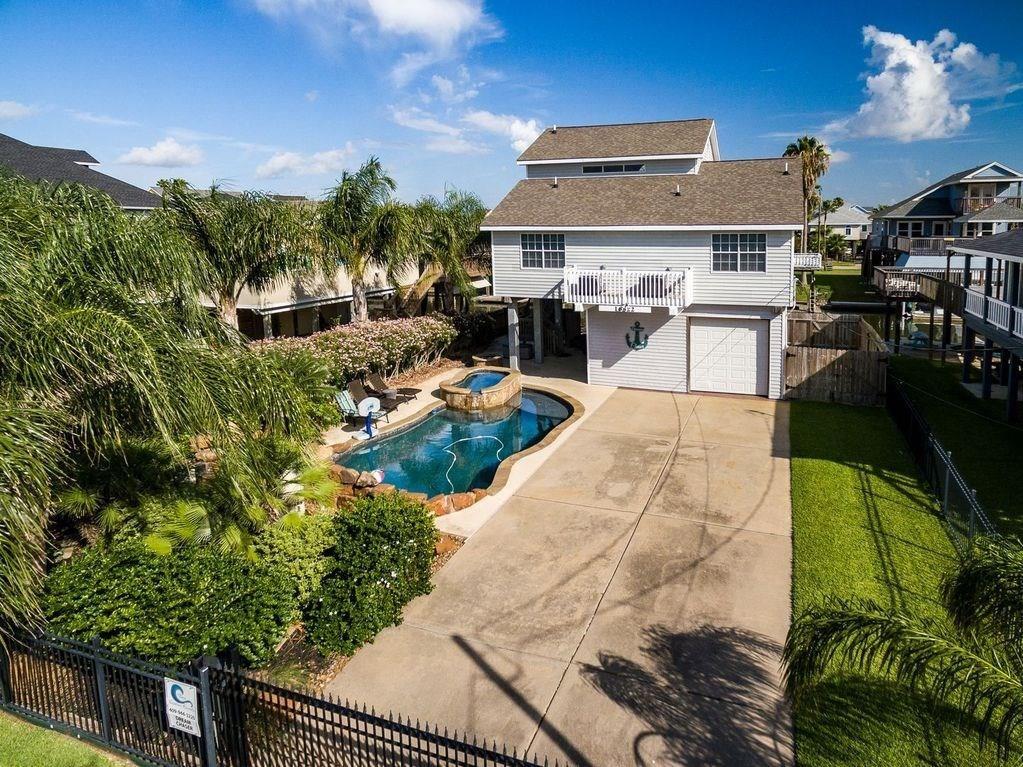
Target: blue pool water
477 382
451 451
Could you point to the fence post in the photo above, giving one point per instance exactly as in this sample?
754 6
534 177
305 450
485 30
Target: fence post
101 688
6 693
209 740
973 516
948 480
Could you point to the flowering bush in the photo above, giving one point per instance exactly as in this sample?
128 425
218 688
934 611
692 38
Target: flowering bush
389 347
380 559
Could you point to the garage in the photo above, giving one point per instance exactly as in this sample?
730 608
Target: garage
729 355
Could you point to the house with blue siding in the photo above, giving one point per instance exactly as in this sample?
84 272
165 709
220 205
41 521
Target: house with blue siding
678 264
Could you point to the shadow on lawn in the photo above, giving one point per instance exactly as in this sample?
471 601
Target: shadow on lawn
707 697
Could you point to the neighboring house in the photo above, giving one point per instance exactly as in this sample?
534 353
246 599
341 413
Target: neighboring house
852 222
56 165
976 202
679 264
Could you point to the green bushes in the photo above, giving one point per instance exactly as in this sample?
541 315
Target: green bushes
387 346
380 559
171 608
476 328
299 551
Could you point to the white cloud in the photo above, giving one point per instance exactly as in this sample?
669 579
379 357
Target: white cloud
166 153
311 96
418 119
436 28
454 145
13 110
455 91
521 132
91 117
298 164
839 156
917 90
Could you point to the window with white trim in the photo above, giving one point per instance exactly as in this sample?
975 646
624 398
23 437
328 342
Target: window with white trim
739 252
916 229
903 230
614 168
543 251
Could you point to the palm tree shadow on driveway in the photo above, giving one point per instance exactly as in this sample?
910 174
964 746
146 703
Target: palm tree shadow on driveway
708 696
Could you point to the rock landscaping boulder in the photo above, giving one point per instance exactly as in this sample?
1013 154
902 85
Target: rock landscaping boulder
461 501
367 479
479 493
344 475
380 489
439 505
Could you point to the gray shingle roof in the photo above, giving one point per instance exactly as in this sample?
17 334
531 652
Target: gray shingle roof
55 164
910 207
624 140
847 215
1000 211
1004 244
732 192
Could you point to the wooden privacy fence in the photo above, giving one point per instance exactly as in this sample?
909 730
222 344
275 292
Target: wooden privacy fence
834 358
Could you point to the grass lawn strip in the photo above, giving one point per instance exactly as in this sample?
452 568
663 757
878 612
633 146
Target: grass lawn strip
863 526
28 745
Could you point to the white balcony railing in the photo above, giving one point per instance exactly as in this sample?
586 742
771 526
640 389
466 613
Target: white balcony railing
628 287
1000 314
806 261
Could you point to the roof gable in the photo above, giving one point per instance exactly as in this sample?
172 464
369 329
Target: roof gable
994 170
674 138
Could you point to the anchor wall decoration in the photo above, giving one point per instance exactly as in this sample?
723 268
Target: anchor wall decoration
634 342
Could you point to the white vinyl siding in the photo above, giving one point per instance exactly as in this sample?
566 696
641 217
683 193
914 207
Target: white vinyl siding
650 250
569 169
779 343
661 365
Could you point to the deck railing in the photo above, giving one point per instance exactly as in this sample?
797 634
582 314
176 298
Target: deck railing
628 287
1002 315
806 261
974 204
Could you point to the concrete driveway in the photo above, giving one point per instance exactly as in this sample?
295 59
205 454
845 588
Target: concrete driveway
626 606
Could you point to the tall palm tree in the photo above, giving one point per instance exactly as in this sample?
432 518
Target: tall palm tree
103 340
824 208
971 661
248 240
360 225
815 159
453 243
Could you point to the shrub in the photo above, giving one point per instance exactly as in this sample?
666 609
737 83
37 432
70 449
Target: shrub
381 557
387 346
299 551
169 609
475 328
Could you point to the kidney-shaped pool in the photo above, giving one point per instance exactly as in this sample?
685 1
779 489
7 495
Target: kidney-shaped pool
451 451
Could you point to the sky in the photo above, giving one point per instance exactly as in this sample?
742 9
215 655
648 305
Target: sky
283 95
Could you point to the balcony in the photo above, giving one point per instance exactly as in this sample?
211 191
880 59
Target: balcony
924 246
1004 316
806 261
626 289
968 205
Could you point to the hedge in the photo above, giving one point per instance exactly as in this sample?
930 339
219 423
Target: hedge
389 347
299 551
198 600
380 560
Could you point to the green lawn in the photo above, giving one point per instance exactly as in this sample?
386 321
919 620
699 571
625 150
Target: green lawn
27 745
863 526
841 283
988 451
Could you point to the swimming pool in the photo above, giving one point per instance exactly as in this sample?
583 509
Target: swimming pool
477 382
451 451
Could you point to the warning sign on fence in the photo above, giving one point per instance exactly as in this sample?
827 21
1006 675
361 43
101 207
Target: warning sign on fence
181 701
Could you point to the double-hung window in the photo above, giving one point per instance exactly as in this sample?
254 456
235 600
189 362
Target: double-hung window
543 251
739 252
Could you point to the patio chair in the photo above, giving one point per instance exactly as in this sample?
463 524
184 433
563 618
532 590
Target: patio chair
346 404
379 387
386 404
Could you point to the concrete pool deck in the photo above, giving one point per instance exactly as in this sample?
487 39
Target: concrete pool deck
625 604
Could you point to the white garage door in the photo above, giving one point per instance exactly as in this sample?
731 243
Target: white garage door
728 355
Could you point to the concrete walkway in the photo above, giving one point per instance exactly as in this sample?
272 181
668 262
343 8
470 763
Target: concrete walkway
626 606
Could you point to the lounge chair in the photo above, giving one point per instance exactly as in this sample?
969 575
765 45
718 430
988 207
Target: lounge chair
386 404
379 387
346 404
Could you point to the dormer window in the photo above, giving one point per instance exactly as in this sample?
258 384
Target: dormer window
613 168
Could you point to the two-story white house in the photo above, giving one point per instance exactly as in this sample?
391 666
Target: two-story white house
680 263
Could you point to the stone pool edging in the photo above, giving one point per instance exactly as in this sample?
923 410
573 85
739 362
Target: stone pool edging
461 398
364 484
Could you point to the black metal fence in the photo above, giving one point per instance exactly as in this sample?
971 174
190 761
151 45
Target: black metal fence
122 703
963 513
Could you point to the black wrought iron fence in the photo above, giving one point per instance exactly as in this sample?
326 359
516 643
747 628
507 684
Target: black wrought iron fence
123 703
963 513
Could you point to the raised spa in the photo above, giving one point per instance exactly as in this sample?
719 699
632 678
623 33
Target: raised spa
482 389
452 451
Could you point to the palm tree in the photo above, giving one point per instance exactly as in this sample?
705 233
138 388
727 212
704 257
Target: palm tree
360 226
972 661
826 207
248 240
814 158
453 242
104 341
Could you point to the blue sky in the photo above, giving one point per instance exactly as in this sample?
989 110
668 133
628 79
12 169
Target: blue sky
282 95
